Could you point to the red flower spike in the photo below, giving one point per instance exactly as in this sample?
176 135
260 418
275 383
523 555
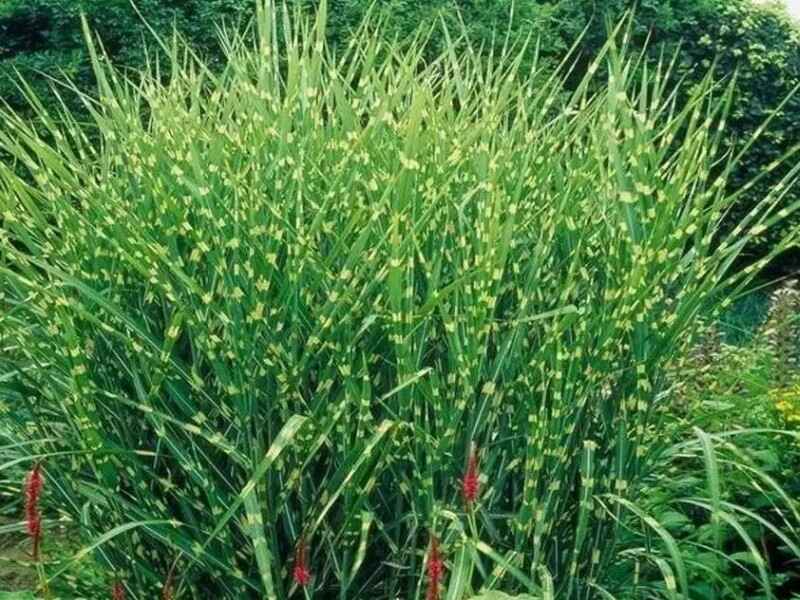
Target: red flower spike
33 487
118 591
435 570
470 485
433 591
301 572
34 483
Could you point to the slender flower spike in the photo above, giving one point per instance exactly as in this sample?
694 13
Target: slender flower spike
301 571
470 485
33 486
118 591
435 570
33 518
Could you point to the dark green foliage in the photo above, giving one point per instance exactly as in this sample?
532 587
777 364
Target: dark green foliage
739 392
44 36
765 48
739 323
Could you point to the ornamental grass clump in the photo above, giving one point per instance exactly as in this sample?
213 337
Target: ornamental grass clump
282 301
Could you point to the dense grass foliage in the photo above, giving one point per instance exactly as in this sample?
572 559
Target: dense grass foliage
42 39
275 308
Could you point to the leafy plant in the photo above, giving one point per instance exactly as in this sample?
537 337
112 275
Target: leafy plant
280 315
721 500
733 392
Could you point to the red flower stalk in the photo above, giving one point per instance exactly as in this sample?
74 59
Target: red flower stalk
118 591
166 593
435 570
33 486
301 571
35 533
33 518
470 485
